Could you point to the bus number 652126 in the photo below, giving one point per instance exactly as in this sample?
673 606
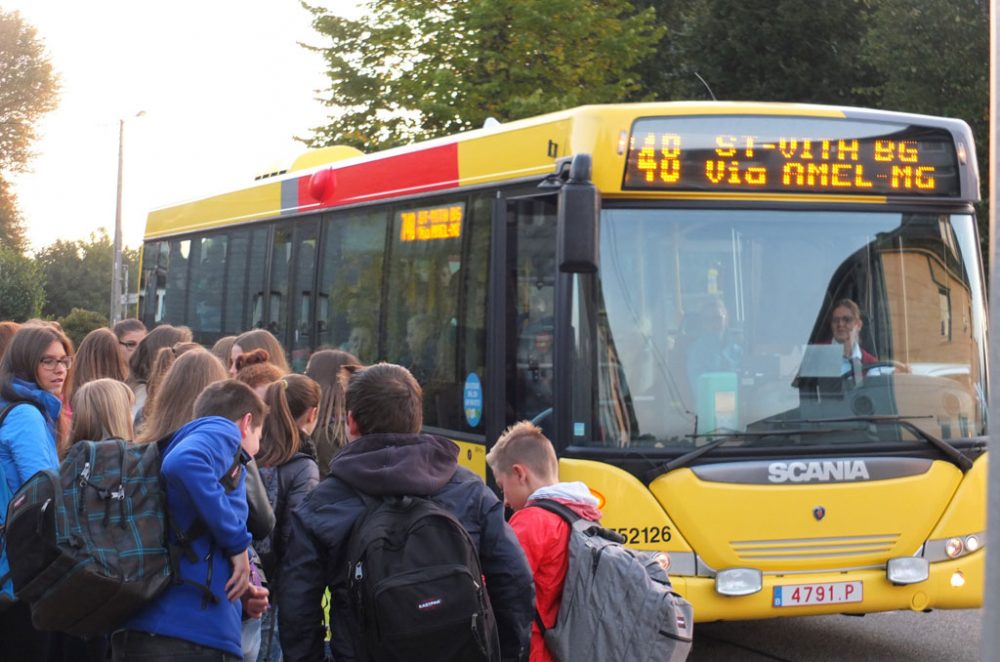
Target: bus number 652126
646 534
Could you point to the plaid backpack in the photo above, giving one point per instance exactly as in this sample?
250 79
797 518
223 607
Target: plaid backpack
88 544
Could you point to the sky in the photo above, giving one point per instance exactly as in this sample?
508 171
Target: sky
223 87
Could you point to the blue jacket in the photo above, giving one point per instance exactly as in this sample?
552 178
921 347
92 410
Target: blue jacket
27 436
386 464
27 446
196 459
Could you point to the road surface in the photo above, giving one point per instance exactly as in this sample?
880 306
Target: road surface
939 635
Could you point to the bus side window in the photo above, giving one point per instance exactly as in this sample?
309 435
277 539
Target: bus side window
350 282
175 295
148 299
208 263
255 279
235 319
423 317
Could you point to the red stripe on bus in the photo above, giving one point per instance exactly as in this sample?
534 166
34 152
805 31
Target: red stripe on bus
414 172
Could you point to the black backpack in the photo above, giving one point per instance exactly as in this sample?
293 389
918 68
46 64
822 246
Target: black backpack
88 544
416 586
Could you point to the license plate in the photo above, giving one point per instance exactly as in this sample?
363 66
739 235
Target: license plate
800 595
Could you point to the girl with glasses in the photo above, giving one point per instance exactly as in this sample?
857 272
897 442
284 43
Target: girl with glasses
33 372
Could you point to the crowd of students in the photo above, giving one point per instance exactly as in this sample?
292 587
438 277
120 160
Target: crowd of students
270 540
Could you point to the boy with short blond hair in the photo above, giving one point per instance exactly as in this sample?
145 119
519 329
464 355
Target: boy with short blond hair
525 466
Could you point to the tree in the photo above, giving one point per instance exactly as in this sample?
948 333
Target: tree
28 90
954 81
787 50
11 226
78 273
21 291
79 322
416 69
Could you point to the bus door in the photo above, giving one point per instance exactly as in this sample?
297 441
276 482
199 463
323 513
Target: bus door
522 310
291 288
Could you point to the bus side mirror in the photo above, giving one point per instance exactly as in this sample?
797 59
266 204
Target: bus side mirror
579 205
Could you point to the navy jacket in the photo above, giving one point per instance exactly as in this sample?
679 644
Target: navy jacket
381 465
287 485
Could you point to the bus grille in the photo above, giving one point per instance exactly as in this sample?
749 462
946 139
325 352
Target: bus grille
813 548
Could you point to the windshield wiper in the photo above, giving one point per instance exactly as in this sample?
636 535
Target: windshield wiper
723 437
949 451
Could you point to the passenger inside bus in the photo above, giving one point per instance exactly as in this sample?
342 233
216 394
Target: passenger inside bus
535 341
714 346
361 343
420 347
535 368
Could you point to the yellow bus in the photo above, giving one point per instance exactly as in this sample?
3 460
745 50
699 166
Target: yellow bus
757 332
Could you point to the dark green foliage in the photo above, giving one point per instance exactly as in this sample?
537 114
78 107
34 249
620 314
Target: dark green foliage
21 291
78 273
415 69
934 59
786 50
79 322
11 225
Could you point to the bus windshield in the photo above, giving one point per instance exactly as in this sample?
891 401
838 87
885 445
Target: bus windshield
723 321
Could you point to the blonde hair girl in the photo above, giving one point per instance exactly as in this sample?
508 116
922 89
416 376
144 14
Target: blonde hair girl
102 409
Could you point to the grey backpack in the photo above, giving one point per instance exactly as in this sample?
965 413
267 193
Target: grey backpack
617 603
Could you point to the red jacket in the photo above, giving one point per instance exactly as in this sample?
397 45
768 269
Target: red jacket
544 536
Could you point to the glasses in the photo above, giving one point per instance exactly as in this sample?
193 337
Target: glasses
845 319
50 363
128 344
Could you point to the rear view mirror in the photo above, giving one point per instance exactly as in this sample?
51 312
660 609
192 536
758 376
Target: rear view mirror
579 203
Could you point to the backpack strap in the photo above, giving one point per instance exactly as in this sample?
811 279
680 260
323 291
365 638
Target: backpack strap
185 538
560 509
371 501
10 406
570 517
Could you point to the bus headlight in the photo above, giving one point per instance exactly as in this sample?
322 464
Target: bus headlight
954 547
738 581
908 570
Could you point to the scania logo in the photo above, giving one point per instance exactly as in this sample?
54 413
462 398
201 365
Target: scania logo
824 471
819 512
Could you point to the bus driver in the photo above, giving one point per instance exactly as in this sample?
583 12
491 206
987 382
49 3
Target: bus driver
845 324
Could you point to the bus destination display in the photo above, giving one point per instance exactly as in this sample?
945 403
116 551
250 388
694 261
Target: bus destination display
790 155
429 223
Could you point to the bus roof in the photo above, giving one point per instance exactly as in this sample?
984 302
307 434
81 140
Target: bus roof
519 150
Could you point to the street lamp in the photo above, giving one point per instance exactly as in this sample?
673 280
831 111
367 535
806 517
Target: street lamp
116 274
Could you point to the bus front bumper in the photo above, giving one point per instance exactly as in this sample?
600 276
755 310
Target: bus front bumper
955 584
